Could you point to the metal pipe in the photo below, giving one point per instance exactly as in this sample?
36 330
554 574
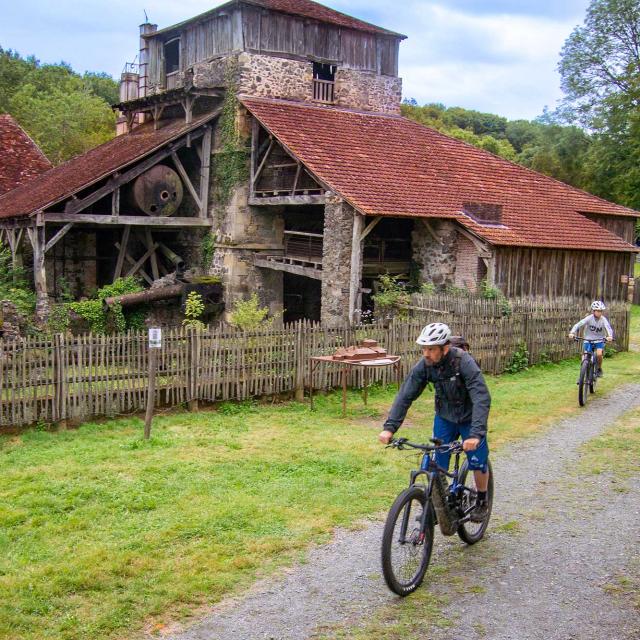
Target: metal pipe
150 295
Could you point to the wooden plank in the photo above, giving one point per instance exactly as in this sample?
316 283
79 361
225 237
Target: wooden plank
205 170
278 201
58 236
186 180
121 254
144 221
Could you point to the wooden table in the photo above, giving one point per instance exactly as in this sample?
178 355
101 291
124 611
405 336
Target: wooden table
346 367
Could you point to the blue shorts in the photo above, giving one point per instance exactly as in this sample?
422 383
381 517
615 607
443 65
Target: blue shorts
448 432
590 346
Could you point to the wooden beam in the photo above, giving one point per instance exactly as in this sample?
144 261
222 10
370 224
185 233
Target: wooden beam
154 258
370 227
130 260
37 239
264 161
159 221
283 200
295 181
121 255
255 134
355 279
434 235
298 270
205 170
186 179
61 234
479 245
113 183
115 202
141 261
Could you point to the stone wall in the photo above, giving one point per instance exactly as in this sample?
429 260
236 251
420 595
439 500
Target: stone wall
368 91
73 259
436 260
336 261
274 77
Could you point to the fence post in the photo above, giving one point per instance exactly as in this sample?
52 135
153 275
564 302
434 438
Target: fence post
194 367
60 381
299 364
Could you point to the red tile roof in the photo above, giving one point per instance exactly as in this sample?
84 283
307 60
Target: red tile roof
390 166
20 157
86 169
304 8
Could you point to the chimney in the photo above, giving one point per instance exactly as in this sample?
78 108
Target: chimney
145 29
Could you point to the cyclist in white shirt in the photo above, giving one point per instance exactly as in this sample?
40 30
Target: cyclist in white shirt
596 327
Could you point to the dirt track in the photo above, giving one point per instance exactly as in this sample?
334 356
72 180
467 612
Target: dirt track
551 571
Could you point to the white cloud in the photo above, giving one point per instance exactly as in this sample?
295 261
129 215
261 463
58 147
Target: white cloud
485 55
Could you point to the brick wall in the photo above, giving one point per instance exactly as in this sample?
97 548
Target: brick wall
466 264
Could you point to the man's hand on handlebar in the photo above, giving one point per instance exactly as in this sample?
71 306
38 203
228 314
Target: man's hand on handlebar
572 335
385 437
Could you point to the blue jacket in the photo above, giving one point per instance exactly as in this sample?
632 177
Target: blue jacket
461 392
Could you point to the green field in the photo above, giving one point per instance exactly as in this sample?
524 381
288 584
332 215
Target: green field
103 535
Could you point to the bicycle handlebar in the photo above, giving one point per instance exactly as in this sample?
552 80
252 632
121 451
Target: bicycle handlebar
403 443
578 339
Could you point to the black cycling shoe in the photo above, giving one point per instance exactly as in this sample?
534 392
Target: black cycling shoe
599 374
480 511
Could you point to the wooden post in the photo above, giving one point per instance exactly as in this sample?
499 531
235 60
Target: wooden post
37 238
355 280
205 170
155 344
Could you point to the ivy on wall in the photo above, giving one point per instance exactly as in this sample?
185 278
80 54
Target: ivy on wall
230 164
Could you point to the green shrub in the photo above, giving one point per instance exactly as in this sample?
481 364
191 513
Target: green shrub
248 315
392 297
519 360
14 286
194 308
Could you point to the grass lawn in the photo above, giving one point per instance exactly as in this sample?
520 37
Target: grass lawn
103 535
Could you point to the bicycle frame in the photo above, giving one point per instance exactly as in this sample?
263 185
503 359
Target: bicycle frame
435 473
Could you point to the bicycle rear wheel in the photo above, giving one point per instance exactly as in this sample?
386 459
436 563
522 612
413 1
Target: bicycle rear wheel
583 383
406 549
593 377
472 532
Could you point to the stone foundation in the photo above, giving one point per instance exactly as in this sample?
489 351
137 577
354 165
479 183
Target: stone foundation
436 260
336 261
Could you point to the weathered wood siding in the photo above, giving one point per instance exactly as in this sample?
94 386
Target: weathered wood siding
253 29
553 273
624 228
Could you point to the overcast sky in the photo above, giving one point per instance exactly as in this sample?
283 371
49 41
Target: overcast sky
498 56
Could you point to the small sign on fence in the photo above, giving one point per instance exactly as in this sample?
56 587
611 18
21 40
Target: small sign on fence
155 338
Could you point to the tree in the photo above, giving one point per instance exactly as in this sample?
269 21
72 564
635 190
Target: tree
65 113
600 62
600 70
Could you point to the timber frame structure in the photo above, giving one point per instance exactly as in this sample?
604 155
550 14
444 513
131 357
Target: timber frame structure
99 205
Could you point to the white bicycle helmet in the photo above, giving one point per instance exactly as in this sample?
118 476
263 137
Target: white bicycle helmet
596 305
434 334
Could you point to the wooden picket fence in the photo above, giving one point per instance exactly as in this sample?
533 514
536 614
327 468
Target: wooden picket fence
77 378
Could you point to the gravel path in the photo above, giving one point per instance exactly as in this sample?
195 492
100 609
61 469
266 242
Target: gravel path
546 582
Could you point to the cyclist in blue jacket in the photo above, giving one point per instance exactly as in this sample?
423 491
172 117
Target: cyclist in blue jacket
462 404
596 327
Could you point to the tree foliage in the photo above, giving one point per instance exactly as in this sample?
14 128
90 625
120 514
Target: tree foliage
542 144
65 113
600 70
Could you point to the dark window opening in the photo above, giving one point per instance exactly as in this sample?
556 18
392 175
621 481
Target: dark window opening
172 56
325 72
483 213
301 298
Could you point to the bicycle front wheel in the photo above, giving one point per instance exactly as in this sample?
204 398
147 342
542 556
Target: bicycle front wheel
593 377
471 532
583 383
406 546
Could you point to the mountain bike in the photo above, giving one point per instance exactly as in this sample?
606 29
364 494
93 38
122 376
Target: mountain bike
407 540
588 378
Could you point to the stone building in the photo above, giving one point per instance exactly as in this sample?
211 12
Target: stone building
262 142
